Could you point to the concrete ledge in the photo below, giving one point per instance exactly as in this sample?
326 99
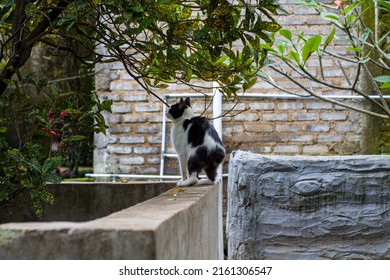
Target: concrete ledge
181 223
308 207
84 201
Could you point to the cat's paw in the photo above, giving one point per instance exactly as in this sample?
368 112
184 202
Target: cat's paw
188 182
206 182
180 183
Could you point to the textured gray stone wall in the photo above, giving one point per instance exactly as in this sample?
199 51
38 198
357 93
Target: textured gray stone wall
302 207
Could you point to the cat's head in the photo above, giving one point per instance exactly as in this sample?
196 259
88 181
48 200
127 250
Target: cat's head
180 110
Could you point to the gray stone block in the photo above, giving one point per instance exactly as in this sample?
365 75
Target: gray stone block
308 207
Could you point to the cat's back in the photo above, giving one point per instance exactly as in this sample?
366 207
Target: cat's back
198 129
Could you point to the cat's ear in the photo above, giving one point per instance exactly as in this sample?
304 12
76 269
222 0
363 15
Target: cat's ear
187 102
181 100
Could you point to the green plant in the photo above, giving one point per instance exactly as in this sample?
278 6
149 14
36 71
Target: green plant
24 171
362 27
46 122
159 42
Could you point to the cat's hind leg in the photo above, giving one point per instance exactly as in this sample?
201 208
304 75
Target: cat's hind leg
206 182
211 172
192 180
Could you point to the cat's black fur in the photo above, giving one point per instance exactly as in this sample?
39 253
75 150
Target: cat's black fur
197 143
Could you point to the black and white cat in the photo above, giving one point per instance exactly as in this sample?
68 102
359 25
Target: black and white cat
196 143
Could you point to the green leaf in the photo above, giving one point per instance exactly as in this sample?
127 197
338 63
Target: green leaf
4 10
286 34
329 38
161 85
54 90
53 178
265 36
332 17
281 48
348 10
106 105
350 18
385 85
308 3
268 26
358 50
137 9
385 5
382 79
311 45
50 164
385 80
71 111
73 138
249 83
366 33
295 55
222 60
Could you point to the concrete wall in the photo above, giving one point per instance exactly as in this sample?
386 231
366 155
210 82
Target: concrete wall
178 224
304 207
82 201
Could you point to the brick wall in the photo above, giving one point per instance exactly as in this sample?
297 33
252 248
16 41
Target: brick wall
263 125
385 137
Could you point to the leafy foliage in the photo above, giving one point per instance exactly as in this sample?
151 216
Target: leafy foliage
365 37
22 170
46 122
159 41
162 42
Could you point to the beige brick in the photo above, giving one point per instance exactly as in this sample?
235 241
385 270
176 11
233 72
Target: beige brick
300 138
119 85
146 107
119 149
137 118
137 97
121 108
262 106
290 105
275 117
248 117
330 138
132 160
258 127
317 127
286 149
146 150
316 149
288 128
346 127
132 139
333 116
301 116
319 105
147 128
